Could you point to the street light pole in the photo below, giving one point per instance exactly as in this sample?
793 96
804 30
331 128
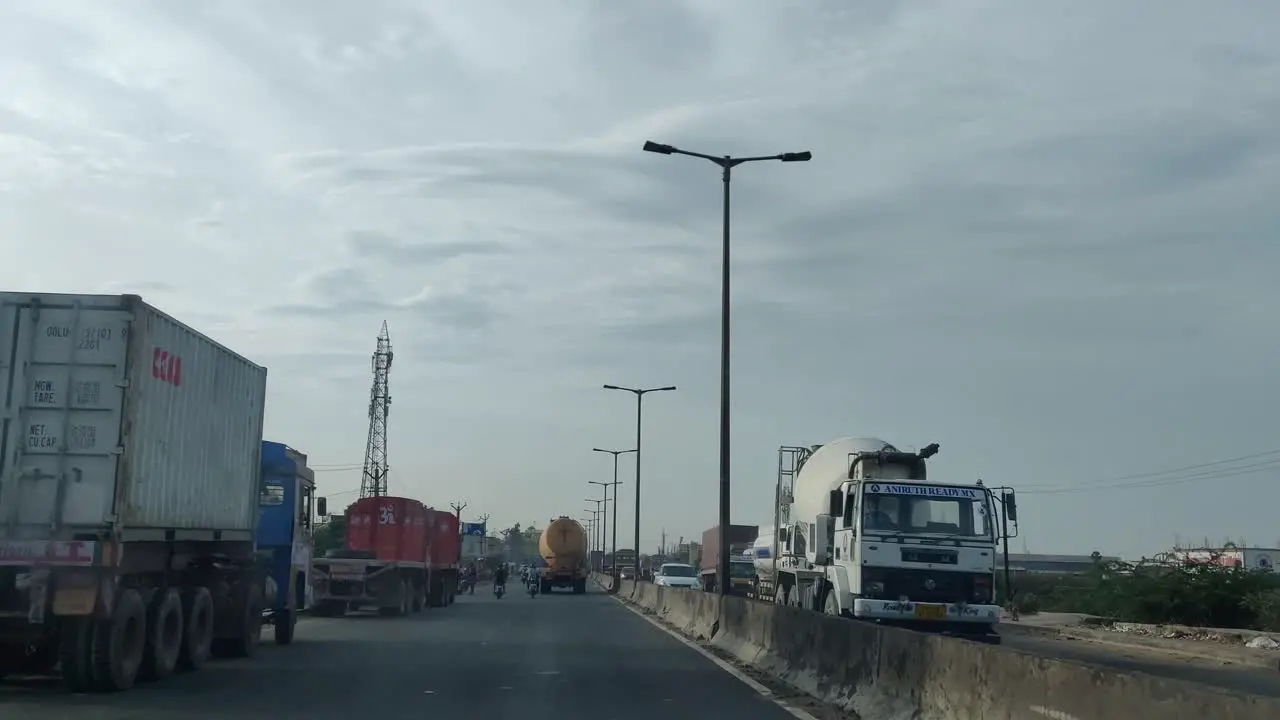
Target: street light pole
596 536
604 518
613 556
726 164
639 393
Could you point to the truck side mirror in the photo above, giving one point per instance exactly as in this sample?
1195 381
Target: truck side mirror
1011 506
835 504
322 507
783 534
824 537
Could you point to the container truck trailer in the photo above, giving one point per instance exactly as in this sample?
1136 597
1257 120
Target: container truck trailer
284 539
741 570
129 488
862 532
563 547
399 556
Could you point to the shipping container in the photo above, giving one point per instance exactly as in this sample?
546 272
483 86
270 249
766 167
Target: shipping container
446 544
118 414
740 538
128 439
393 529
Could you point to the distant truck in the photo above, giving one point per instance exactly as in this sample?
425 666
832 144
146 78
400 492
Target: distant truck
563 547
626 563
399 557
284 540
862 532
129 489
742 571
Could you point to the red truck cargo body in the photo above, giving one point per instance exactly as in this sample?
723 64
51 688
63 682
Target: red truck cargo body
740 538
394 529
445 543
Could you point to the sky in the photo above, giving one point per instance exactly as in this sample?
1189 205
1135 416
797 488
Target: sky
1040 234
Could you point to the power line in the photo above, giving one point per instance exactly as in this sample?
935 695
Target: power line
1185 474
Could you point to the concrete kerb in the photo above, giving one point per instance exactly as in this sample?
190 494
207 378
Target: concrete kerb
889 674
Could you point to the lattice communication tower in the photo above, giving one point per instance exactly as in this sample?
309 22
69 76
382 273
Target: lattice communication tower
373 483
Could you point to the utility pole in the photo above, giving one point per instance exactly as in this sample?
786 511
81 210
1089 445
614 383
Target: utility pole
484 533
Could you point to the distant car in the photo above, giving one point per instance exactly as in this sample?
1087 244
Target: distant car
627 573
677 575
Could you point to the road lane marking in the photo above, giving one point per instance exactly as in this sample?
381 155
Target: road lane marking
722 664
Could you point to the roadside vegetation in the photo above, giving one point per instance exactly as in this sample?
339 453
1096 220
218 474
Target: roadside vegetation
1166 592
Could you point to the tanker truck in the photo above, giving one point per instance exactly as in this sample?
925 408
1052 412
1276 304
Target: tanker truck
563 547
862 533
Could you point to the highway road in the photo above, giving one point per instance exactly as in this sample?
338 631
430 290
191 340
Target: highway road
561 656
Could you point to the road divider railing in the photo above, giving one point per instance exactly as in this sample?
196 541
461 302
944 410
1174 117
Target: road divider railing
887 673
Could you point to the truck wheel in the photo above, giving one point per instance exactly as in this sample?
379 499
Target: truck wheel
419 598
245 643
164 635
285 622
544 587
197 633
75 653
120 643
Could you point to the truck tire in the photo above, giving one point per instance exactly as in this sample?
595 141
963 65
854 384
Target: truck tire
197 632
579 586
120 643
249 629
165 629
75 653
285 622
544 587
419 598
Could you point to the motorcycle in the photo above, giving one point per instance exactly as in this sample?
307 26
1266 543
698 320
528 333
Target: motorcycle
499 590
533 589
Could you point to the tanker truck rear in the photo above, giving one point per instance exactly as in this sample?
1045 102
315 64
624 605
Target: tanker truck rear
129 489
563 547
863 533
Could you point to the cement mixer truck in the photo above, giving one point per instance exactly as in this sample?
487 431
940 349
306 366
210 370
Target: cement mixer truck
862 533
563 547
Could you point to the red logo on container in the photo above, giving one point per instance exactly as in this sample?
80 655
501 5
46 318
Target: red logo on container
166 367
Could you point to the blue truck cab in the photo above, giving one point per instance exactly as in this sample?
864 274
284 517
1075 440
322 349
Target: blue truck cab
283 538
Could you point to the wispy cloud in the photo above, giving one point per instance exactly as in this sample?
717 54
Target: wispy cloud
1026 227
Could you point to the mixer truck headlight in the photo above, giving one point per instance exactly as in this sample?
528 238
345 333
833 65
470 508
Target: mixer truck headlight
982 590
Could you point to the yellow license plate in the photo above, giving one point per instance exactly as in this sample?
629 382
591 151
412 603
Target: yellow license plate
75 601
930 612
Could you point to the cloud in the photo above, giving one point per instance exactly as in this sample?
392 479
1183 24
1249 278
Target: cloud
1026 230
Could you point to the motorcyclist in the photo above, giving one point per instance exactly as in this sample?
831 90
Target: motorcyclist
472 576
500 576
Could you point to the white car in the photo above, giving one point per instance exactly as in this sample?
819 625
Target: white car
677 575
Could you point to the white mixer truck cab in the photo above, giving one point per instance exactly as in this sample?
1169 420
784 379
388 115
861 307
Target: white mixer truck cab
870 537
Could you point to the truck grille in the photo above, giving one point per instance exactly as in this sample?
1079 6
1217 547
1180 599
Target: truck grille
927 585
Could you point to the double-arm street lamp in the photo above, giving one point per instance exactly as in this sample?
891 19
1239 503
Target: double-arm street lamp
639 393
613 552
727 163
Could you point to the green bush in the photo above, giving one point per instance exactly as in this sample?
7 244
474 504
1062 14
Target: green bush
1160 592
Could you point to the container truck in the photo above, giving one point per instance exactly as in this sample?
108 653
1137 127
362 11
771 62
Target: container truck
129 487
741 570
563 547
284 540
383 563
861 532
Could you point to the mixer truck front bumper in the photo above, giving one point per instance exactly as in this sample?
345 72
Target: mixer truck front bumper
977 621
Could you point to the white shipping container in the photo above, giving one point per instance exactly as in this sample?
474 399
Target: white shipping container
117 415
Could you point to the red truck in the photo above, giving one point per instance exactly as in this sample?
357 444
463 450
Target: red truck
399 556
741 570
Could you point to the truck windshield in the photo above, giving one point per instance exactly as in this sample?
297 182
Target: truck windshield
742 570
926 509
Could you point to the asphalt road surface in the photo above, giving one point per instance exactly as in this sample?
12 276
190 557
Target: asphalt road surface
561 656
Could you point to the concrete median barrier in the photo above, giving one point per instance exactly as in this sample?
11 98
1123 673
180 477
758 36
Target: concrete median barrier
890 674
